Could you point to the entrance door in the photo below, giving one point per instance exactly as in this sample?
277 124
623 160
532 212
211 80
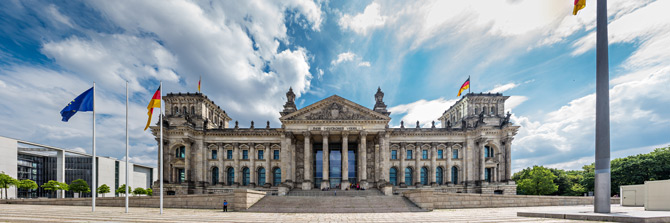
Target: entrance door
335 168
628 198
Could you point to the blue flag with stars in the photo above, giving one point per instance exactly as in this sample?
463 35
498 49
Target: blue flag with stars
83 102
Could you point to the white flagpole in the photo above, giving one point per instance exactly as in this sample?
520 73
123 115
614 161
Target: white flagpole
160 114
127 147
94 181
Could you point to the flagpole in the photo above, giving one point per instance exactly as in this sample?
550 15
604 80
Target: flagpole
601 203
93 180
470 87
127 147
160 145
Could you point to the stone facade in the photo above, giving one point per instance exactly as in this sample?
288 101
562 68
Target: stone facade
334 143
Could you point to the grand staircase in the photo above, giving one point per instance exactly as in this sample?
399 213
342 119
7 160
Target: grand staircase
316 201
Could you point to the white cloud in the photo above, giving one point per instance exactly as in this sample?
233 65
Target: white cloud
364 64
502 88
343 57
514 101
363 23
422 110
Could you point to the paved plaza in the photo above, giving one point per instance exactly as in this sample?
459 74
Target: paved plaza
44 213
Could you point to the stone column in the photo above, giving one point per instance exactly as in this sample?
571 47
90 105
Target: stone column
448 169
482 162
417 164
433 164
326 161
386 157
376 165
307 162
508 159
252 161
403 156
236 160
286 159
345 160
292 159
268 168
283 157
364 160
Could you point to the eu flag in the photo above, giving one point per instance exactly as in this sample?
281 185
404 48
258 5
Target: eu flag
83 102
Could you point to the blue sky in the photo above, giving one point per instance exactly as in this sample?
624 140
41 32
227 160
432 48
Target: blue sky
250 52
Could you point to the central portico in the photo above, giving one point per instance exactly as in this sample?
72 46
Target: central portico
333 133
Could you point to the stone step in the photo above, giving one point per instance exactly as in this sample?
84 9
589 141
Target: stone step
346 193
332 204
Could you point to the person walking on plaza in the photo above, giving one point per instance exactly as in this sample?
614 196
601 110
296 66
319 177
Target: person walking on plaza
225 206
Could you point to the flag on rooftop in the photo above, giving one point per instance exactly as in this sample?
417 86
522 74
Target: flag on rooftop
83 102
465 86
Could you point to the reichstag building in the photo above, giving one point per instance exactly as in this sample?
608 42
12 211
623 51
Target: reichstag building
335 143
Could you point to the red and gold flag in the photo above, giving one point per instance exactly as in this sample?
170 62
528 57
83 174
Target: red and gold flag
199 80
464 87
579 5
154 103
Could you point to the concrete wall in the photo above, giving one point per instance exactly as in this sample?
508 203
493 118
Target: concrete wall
141 177
657 194
106 175
240 199
8 164
122 175
632 195
429 200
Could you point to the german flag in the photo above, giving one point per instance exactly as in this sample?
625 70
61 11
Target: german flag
154 103
579 5
465 86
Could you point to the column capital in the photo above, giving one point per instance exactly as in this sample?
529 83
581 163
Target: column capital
403 144
434 144
307 133
266 145
364 133
325 133
345 133
288 134
236 144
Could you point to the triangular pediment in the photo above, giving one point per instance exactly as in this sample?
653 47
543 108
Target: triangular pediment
335 108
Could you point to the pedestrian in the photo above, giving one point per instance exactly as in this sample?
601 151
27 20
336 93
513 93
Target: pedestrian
225 206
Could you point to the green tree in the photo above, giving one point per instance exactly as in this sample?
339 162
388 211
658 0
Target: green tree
55 186
79 186
122 189
27 184
139 191
6 182
539 181
103 189
150 192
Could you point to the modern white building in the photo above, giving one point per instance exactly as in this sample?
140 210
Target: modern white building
27 160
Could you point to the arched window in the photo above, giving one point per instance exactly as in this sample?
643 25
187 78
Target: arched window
393 176
424 176
484 110
192 110
493 110
184 111
488 151
245 176
175 110
261 176
408 176
454 175
215 175
276 179
231 176
454 154
180 152
438 176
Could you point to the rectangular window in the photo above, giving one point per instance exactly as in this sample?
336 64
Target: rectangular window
424 154
245 154
409 154
260 154
229 154
394 154
182 175
214 154
440 154
455 154
276 154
